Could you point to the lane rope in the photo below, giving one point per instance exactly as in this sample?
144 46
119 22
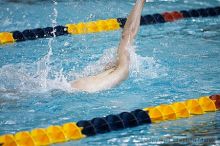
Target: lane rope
103 25
84 128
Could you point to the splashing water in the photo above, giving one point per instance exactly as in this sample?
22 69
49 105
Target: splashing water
44 65
40 77
140 67
35 77
46 58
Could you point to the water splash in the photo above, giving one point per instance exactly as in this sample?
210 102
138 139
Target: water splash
107 60
57 81
44 67
43 75
34 77
140 67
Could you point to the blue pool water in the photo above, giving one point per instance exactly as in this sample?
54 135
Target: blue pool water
173 62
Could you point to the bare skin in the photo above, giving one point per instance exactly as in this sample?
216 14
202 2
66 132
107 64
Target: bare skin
120 72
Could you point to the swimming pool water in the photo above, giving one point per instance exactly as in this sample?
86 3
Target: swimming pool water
173 62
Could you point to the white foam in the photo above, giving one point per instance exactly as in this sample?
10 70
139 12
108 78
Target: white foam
35 77
145 67
140 67
108 59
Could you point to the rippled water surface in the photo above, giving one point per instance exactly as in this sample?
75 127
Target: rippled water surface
173 62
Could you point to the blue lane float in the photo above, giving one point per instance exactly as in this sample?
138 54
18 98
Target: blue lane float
114 122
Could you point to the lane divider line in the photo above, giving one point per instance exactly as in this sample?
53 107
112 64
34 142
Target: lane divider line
84 128
103 25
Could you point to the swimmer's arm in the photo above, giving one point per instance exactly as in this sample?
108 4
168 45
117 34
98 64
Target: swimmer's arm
133 21
101 81
129 32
